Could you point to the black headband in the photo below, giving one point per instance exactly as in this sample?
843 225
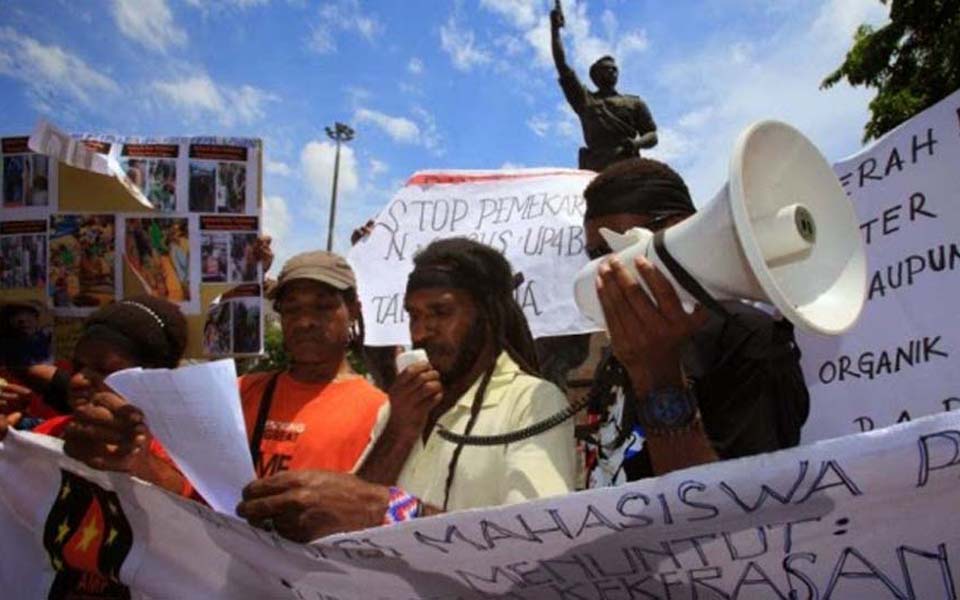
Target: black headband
438 277
647 197
435 276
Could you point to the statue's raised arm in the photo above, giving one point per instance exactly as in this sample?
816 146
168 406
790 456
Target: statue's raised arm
615 126
556 24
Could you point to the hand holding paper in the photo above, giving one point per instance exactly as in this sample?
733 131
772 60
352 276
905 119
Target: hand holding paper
195 412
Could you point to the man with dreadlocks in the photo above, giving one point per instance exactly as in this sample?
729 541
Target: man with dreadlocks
679 389
481 379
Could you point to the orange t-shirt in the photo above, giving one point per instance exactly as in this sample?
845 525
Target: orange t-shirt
311 426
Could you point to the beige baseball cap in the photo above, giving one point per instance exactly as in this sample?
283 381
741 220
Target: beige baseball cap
319 265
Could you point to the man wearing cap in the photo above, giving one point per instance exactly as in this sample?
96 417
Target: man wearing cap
317 414
615 126
678 389
480 380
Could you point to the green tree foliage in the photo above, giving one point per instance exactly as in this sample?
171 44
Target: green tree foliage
913 61
274 357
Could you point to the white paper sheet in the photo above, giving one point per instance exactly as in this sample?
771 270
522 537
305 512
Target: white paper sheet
196 414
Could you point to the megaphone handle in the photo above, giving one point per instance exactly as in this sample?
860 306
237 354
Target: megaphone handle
684 278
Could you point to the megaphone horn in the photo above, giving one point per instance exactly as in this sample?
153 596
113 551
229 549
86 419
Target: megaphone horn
781 231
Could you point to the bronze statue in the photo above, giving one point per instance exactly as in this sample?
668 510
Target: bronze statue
615 126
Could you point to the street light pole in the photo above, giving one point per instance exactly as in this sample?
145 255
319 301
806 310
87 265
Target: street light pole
340 132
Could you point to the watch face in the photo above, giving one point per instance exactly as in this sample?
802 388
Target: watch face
669 408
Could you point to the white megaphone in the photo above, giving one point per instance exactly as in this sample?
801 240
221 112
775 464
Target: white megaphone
782 231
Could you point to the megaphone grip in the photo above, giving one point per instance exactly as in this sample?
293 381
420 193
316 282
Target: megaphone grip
684 278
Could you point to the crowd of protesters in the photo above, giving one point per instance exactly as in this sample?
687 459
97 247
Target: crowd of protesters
333 452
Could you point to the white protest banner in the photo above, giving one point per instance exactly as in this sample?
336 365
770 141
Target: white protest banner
900 361
864 516
533 216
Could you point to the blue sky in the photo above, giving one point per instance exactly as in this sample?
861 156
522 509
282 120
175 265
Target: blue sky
426 83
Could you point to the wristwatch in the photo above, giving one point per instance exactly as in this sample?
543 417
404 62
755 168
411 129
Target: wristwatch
669 409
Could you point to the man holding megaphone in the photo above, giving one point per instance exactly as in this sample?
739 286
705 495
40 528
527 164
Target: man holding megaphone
678 388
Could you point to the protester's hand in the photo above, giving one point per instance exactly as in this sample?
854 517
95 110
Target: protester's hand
647 338
13 397
108 434
263 253
361 232
306 505
6 422
414 393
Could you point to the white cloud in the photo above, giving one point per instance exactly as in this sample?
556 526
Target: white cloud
511 45
201 97
399 129
634 42
378 167
276 224
420 131
341 16
241 4
321 39
429 135
521 13
358 94
561 125
316 162
539 125
248 102
733 82
673 144
149 23
581 44
317 159
52 76
461 46
276 217
276 167
415 66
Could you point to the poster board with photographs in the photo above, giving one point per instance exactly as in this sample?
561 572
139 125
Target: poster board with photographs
73 240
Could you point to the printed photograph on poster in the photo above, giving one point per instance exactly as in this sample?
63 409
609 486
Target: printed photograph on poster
214 250
158 251
25 175
23 254
218 330
228 249
244 266
231 187
203 187
157 179
153 169
26 328
234 322
246 324
82 265
218 178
